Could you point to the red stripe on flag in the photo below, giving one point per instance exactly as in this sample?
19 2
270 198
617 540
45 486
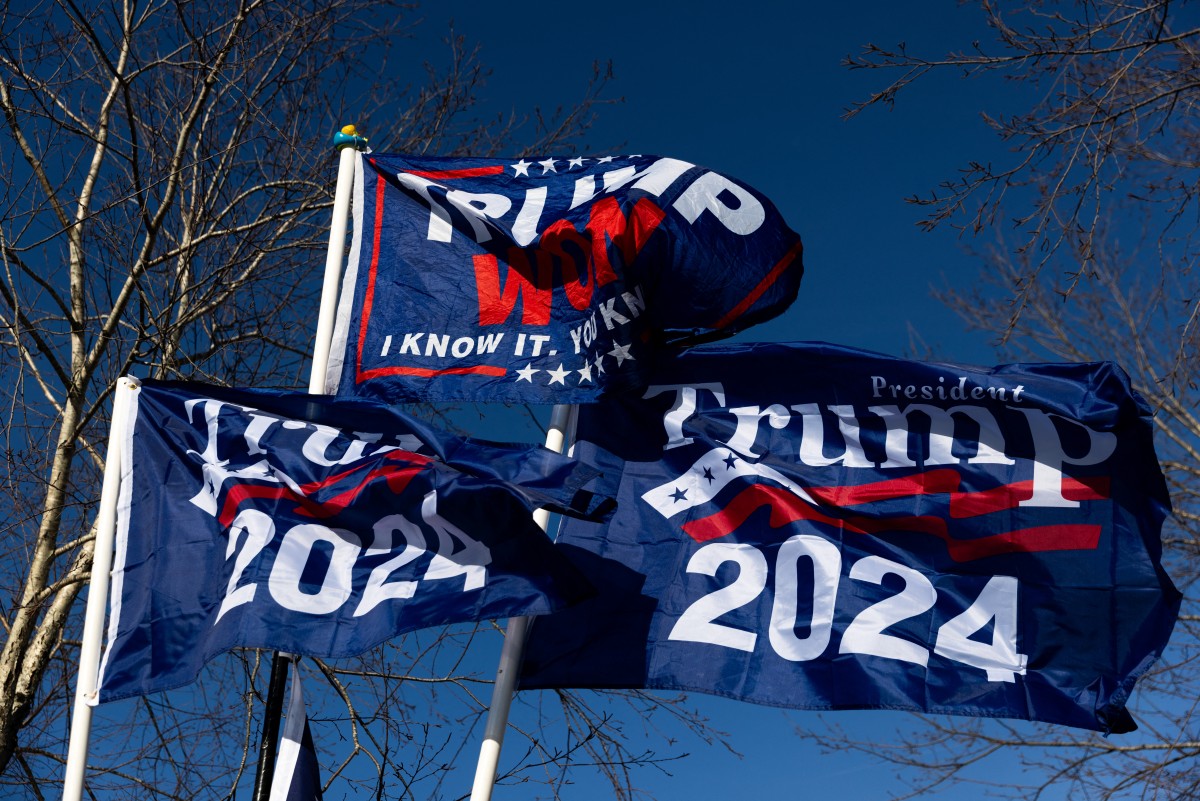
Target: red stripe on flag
429 372
1010 496
398 479
450 175
369 297
785 507
1027 540
935 481
763 285
962 504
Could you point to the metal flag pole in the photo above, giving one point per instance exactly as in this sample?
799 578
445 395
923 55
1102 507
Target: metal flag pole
93 621
348 142
561 421
268 746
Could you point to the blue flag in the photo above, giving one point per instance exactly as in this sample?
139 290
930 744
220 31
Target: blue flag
291 522
548 281
817 527
297 773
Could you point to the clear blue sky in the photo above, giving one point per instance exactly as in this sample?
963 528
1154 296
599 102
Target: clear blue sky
756 90
759 93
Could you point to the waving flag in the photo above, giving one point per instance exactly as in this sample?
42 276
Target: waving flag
295 523
297 772
824 528
550 280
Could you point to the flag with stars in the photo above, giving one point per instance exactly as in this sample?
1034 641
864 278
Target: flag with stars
824 528
546 280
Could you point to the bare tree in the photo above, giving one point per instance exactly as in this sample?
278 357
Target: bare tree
1092 230
165 189
1114 113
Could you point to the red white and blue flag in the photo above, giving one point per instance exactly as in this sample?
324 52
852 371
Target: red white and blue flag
297 774
304 525
551 280
824 528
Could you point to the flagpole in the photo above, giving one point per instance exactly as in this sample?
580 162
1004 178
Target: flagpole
297 772
93 621
265 774
561 420
347 142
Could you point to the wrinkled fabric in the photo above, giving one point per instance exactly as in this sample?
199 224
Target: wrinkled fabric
812 526
550 281
301 524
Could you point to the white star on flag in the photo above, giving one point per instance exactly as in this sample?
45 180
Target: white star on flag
558 376
576 162
605 160
526 373
620 353
521 167
585 373
599 363
548 166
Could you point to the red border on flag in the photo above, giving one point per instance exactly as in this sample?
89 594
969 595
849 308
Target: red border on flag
763 285
361 375
450 175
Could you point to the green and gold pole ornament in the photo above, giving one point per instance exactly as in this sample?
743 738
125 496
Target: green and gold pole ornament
348 137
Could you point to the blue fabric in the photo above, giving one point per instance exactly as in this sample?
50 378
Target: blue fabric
293 522
550 281
818 527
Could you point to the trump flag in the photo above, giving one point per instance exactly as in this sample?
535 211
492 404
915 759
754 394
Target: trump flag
296 523
817 527
550 280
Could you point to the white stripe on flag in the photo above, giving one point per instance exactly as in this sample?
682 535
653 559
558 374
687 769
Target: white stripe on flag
707 477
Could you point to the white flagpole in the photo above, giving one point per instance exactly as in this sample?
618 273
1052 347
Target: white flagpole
561 420
93 621
347 141
93 627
